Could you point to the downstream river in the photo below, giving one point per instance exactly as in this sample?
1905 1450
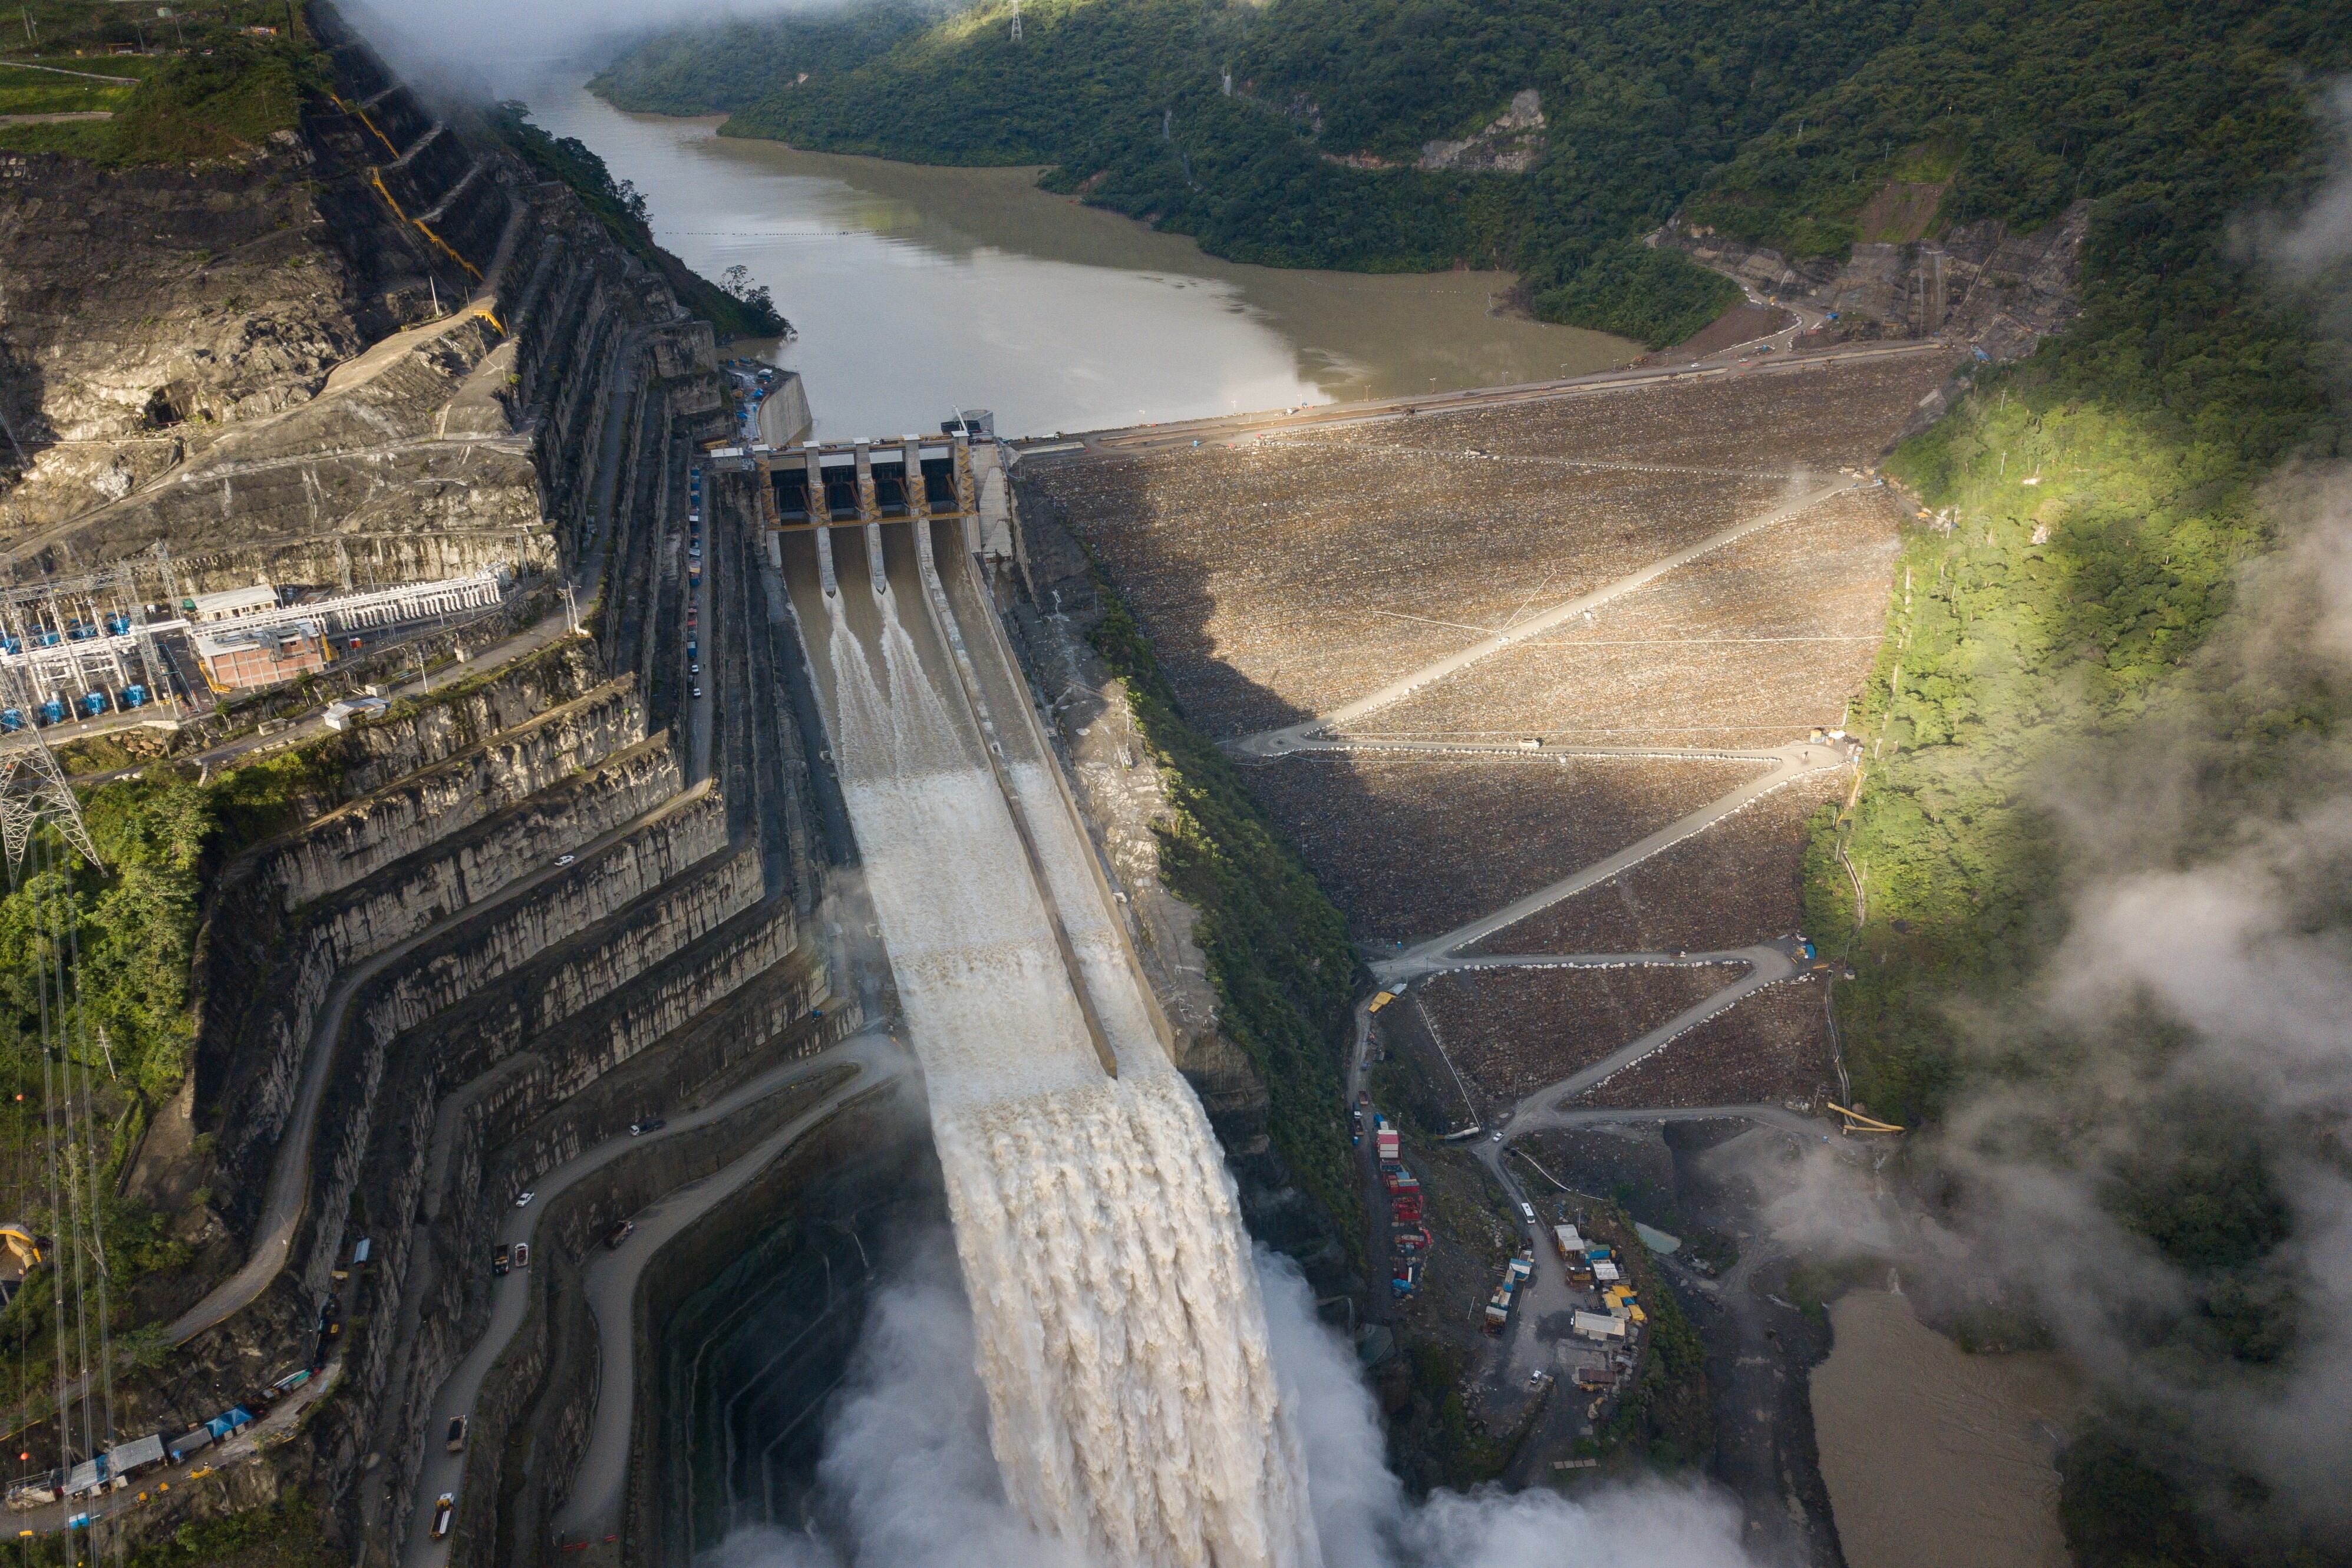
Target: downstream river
918 291
1937 1459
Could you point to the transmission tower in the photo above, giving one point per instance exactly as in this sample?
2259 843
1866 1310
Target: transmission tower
33 788
1016 21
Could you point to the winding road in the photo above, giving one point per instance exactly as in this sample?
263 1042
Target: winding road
1525 1349
873 1060
1226 429
1294 737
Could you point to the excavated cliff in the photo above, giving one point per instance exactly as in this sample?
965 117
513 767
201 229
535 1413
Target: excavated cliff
1980 283
508 917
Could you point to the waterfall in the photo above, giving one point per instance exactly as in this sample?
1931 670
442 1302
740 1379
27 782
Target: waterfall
1120 1335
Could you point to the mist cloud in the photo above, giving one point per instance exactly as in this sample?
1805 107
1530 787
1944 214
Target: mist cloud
2192 1033
907 1481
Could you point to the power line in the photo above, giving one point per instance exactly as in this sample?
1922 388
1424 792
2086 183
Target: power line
33 788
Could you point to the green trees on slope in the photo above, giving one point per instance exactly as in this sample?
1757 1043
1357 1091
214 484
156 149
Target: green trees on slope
1276 948
736 312
2058 636
1126 98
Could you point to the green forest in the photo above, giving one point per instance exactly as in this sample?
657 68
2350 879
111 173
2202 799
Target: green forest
2060 625
1127 103
235 76
1771 123
734 306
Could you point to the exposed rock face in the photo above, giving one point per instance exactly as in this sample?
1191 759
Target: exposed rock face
379 754
1124 799
1980 283
381 350
147 309
338 849
1509 144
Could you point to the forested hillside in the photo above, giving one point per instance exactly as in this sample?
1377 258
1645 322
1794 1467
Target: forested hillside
2097 681
1128 102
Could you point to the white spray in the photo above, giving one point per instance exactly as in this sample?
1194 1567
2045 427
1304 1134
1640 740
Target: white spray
1133 1409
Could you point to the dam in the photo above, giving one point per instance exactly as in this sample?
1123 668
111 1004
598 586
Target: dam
1131 1399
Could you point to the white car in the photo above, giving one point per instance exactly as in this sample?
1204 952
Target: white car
525 1199
561 860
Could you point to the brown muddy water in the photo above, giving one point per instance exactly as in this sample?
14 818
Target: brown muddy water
918 291
1934 1457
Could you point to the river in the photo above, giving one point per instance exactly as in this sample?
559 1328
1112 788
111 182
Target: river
1935 1458
918 291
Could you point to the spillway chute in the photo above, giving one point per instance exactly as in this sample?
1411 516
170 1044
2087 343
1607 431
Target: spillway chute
1133 1409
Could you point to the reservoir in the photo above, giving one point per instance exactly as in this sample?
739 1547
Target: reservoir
917 291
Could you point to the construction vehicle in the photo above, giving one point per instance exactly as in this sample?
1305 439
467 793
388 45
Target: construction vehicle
1856 1122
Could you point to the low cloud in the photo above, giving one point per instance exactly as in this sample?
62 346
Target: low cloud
906 1478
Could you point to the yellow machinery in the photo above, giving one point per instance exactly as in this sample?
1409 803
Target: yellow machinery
1856 1122
21 1248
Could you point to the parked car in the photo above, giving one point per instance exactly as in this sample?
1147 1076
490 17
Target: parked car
499 1256
696 691
522 1255
619 1233
456 1439
565 860
651 1124
524 1200
694 669
445 1511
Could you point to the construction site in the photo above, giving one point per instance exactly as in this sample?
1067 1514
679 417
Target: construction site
1550 697
1457 819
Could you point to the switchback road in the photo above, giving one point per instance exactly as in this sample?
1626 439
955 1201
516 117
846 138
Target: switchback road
870 1060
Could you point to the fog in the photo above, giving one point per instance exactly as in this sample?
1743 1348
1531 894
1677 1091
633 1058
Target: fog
450 42
906 1478
2187 1034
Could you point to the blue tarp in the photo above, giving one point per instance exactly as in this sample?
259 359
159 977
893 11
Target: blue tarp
229 1421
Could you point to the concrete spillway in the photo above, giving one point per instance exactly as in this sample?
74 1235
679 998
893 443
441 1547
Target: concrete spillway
1132 1401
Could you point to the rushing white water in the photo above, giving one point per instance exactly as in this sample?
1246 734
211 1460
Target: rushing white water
1133 1408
